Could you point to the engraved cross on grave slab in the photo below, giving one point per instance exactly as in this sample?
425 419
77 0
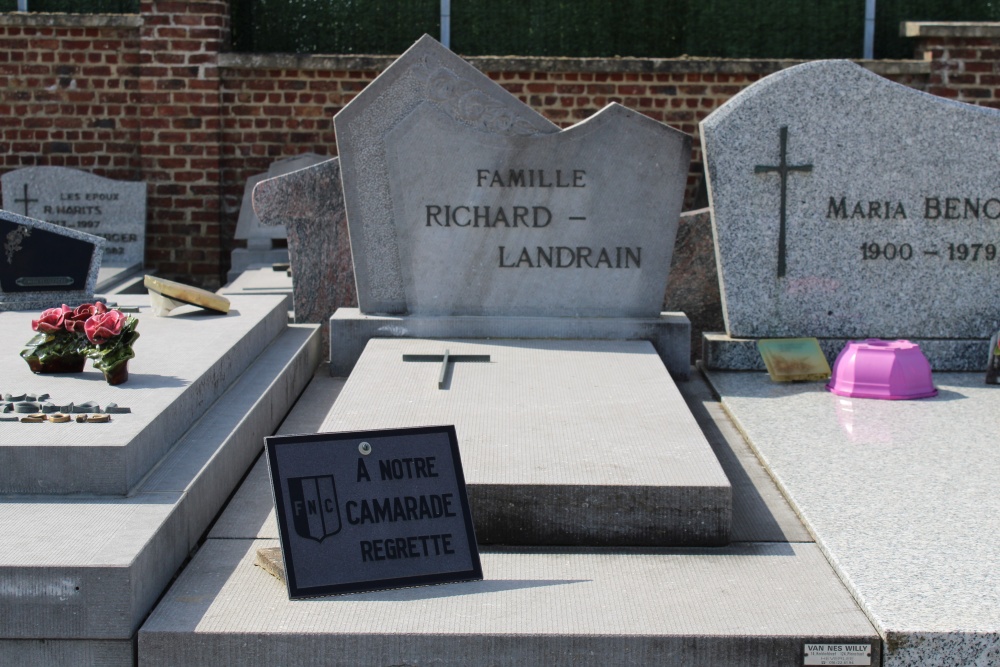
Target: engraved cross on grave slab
447 360
782 169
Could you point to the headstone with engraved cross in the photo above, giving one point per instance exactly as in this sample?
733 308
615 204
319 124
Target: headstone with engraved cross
848 206
112 209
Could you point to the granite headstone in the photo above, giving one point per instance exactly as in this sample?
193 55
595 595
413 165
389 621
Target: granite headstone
74 199
463 201
249 227
309 203
263 245
846 205
44 265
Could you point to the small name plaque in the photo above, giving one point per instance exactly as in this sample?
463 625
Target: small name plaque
371 510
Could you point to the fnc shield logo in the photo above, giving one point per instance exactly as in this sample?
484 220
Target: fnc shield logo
315 512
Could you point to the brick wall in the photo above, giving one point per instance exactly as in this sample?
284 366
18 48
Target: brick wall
68 92
179 110
155 97
964 59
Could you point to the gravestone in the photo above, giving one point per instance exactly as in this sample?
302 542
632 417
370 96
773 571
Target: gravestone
44 265
78 200
476 228
470 203
260 238
848 206
464 205
309 202
575 445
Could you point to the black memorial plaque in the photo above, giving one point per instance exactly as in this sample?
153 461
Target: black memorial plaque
371 510
38 260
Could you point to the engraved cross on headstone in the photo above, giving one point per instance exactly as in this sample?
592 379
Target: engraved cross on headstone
782 168
26 200
447 360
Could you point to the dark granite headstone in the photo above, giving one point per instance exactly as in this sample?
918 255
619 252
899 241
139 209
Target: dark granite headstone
44 265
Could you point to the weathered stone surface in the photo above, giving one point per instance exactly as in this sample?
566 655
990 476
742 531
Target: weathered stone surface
113 210
558 445
183 364
890 205
463 201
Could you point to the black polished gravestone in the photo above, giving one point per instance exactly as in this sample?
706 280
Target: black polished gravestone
44 265
371 510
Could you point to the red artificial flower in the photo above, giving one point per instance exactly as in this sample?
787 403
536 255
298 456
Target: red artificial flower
102 327
51 320
75 320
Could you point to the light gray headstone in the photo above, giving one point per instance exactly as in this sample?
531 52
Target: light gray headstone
461 200
890 200
249 226
113 210
44 265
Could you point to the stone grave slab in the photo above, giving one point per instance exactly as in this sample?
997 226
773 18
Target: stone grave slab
81 572
351 330
566 442
114 210
260 237
183 363
900 496
557 606
463 201
44 265
658 605
849 206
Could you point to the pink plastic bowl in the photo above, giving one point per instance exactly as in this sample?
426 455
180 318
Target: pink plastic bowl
873 368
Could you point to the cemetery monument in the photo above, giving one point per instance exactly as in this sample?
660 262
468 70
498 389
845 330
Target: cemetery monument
846 206
44 264
261 238
479 230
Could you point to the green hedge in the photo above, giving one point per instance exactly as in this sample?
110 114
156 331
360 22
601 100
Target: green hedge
582 28
595 28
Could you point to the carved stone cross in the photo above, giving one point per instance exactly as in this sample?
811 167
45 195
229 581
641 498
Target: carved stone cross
447 360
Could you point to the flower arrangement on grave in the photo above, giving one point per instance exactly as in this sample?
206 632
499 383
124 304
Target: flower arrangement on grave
57 346
111 334
65 337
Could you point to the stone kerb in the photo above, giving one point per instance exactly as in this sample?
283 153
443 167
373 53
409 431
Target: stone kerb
845 205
